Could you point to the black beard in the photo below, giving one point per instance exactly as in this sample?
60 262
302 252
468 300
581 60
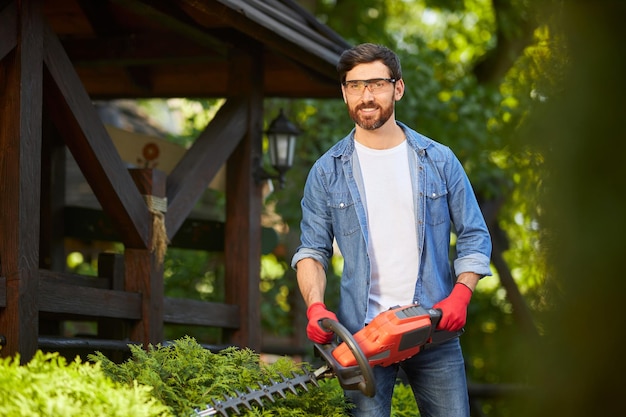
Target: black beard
370 124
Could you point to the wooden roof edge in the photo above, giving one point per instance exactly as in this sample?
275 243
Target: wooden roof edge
317 25
293 23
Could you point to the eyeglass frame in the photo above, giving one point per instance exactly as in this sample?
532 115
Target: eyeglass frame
366 84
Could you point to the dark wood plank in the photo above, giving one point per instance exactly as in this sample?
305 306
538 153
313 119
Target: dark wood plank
107 79
206 235
201 313
111 268
3 292
53 191
144 267
100 17
77 121
243 205
176 23
146 278
271 31
301 50
141 49
77 280
20 181
92 224
86 301
8 29
193 173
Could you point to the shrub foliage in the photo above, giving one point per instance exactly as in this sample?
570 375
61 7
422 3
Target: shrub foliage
164 381
186 377
50 386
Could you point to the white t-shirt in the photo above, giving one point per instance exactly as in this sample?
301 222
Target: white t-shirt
392 245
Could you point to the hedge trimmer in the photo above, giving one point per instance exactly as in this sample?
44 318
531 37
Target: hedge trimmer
393 336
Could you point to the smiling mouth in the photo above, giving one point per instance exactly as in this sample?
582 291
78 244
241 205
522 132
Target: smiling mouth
368 109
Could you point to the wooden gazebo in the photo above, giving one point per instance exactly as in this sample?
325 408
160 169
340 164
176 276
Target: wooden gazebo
56 58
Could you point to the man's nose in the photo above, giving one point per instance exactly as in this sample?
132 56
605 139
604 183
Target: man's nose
367 94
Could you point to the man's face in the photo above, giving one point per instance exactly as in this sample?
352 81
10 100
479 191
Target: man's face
371 110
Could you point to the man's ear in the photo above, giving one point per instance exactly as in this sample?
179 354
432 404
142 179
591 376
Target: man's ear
399 89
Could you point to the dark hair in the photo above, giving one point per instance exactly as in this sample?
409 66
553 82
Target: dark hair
366 53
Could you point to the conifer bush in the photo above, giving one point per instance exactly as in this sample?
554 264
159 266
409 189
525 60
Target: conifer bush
186 377
164 381
50 386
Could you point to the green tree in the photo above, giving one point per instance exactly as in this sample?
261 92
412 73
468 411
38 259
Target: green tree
475 72
581 133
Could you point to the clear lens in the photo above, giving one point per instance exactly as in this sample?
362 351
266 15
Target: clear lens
375 85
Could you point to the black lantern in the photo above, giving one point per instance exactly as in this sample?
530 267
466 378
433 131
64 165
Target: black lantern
281 135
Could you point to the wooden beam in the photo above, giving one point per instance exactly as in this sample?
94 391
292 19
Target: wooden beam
102 19
87 301
201 313
3 292
77 121
193 173
92 224
139 49
144 267
244 202
53 183
170 20
195 79
291 40
20 181
100 16
111 267
8 29
143 278
77 280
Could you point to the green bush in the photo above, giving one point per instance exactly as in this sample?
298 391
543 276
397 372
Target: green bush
403 402
185 376
49 386
161 382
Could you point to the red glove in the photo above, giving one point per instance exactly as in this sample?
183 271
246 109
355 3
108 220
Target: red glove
454 308
315 313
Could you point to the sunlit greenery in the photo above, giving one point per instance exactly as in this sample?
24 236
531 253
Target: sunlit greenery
443 46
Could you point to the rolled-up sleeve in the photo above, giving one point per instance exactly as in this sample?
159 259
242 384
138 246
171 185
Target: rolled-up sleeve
473 243
476 263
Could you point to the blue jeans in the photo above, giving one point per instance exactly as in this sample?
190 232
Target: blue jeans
437 377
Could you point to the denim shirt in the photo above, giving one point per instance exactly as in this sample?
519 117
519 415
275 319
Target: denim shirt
333 209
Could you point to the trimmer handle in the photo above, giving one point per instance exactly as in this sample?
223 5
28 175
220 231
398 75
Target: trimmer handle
361 378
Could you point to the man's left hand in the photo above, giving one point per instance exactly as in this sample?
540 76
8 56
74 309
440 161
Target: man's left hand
454 308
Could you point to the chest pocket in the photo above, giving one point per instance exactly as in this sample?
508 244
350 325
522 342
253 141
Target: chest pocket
437 211
343 212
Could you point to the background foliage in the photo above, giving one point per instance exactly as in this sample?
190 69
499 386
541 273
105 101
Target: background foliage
476 72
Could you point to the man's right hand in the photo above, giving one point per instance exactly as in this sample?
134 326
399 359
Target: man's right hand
315 313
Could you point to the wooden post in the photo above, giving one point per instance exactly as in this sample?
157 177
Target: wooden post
144 271
242 254
111 266
20 180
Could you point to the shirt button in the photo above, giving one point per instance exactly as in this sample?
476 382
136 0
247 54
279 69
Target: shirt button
434 194
341 205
